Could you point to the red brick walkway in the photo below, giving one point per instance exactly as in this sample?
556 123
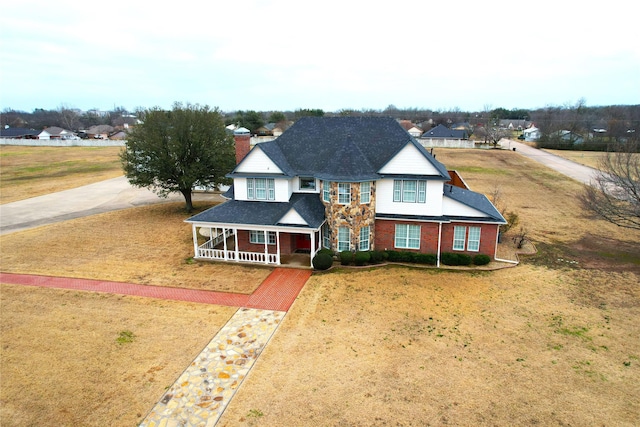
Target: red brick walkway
277 292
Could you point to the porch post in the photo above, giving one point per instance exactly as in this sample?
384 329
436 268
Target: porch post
439 242
266 246
235 236
313 247
195 240
278 247
224 235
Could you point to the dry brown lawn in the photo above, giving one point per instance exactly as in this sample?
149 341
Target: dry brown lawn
147 245
33 171
587 158
553 341
63 365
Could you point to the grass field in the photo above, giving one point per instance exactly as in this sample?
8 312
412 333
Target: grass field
33 171
553 341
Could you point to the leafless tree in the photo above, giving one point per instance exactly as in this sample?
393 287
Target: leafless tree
615 193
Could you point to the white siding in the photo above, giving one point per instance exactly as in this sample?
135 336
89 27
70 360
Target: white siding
282 192
455 208
409 161
257 162
385 203
292 217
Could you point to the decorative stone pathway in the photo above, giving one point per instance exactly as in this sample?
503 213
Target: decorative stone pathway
205 388
203 391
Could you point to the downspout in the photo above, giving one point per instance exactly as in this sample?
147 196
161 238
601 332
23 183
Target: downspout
495 254
439 243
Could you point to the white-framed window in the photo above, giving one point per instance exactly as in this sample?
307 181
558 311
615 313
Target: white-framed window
473 241
365 192
364 238
344 239
326 191
407 236
459 235
307 183
257 237
344 193
409 191
326 236
261 189
422 191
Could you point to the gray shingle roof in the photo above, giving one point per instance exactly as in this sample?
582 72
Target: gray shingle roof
441 131
341 148
308 206
475 200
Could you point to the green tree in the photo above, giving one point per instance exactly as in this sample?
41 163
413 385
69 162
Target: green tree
277 116
174 151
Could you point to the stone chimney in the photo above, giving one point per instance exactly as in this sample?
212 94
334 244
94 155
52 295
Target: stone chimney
242 138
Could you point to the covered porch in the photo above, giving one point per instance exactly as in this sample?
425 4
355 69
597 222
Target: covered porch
267 246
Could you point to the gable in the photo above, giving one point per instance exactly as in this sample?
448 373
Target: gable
409 161
257 162
292 217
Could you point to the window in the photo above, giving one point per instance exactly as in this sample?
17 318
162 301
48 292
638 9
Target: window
409 191
365 192
307 183
261 189
473 244
343 239
344 193
407 236
326 191
364 238
459 237
257 236
326 237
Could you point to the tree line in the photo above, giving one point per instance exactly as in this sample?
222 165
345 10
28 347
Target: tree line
578 118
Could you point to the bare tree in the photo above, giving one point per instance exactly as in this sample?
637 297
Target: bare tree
615 194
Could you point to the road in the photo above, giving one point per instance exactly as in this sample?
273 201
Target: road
117 193
103 196
580 173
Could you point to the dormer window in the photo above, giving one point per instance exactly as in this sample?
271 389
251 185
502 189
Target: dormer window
261 189
307 183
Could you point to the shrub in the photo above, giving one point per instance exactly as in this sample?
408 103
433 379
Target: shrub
322 261
393 256
377 257
346 257
429 259
448 258
361 258
481 259
326 251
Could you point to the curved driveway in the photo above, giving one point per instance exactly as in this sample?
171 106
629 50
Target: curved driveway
580 173
117 193
103 196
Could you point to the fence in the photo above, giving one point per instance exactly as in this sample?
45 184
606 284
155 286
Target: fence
452 143
63 142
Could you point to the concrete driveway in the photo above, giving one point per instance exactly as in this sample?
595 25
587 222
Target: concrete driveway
580 173
104 196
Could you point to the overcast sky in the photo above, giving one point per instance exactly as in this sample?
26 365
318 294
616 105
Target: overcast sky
328 54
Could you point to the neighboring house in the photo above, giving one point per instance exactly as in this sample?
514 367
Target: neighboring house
532 134
55 132
100 131
119 135
413 130
513 124
443 132
18 133
343 183
568 136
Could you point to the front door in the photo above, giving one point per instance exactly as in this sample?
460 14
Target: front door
303 242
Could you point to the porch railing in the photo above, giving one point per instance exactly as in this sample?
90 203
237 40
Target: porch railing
206 251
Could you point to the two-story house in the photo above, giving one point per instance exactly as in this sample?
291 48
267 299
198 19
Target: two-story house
343 183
